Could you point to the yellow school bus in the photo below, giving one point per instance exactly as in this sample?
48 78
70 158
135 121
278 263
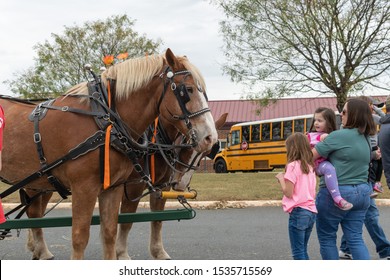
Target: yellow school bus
259 145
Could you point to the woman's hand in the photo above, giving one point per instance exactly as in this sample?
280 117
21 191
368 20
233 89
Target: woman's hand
323 136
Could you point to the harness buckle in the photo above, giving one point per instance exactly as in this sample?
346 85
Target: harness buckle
65 109
37 137
95 95
42 160
138 167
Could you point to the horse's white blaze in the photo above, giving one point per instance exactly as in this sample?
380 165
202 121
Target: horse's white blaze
205 130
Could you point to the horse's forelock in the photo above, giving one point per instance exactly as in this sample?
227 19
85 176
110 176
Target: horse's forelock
194 71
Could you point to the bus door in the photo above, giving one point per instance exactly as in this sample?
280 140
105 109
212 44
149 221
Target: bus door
233 159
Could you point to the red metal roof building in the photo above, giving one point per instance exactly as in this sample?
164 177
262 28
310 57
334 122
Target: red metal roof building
245 110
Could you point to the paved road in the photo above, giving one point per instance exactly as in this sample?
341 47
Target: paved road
253 233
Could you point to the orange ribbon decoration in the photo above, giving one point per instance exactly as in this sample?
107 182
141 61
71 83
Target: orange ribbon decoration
107 176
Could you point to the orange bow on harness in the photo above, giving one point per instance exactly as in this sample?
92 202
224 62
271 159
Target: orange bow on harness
107 176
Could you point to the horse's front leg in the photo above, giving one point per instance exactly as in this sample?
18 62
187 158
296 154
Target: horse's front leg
83 204
35 240
109 202
128 206
156 246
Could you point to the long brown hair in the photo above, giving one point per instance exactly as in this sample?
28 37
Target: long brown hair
359 116
329 117
298 148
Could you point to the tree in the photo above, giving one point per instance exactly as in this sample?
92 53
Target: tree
60 64
283 47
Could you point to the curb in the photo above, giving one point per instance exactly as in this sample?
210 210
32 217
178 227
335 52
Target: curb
201 204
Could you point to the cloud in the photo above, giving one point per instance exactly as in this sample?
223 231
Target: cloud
188 27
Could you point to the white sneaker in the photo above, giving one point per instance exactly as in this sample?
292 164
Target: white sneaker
385 258
345 256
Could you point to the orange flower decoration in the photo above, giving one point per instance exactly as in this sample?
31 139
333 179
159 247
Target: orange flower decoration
123 56
108 60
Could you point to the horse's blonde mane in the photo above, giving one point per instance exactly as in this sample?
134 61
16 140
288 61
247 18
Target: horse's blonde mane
133 74
81 89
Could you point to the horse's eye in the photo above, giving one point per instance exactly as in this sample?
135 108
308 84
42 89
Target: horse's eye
190 90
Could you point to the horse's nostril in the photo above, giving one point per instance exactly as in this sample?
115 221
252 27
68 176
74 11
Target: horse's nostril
208 140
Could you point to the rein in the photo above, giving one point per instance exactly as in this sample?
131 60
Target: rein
166 146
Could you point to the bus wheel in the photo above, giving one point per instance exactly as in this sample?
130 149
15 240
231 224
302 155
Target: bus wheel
220 166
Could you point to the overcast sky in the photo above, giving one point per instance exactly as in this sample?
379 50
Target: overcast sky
188 27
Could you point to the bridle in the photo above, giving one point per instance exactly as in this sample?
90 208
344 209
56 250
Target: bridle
181 93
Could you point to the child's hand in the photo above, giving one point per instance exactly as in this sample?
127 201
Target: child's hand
378 154
280 176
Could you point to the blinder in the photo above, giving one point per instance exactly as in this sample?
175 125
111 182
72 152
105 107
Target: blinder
183 97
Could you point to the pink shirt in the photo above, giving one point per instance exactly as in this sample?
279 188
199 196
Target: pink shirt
304 188
314 139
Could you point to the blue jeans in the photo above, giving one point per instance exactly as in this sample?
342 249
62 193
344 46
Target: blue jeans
300 226
330 217
375 230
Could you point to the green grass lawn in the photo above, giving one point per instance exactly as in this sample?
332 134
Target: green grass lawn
230 186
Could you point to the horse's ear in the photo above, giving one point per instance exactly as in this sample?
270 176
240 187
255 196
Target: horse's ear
221 121
171 59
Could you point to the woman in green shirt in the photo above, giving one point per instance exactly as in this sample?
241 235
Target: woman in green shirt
349 151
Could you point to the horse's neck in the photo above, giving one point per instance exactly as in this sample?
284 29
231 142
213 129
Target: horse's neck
138 111
169 129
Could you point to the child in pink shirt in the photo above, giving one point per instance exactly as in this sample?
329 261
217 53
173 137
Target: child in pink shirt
298 184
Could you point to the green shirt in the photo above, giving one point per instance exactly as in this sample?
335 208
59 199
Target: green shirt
349 152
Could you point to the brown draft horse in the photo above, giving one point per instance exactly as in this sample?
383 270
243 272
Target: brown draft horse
163 175
146 87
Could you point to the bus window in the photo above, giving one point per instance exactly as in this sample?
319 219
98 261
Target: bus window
265 131
308 123
255 133
276 130
287 129
299 125
245 133
235 137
